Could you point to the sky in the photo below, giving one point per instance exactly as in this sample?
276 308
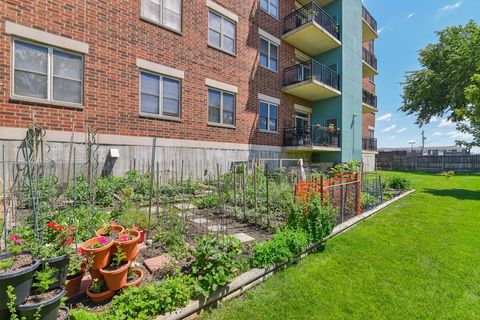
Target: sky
405 27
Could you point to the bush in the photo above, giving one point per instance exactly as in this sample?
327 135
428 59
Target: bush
216 262
398 183
284 246
316 218
346 168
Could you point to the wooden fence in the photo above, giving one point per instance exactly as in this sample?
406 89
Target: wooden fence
389 161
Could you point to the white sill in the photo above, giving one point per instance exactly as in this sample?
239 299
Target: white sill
14 98
268 131
180 33
221 125
159 117
275 71
233 54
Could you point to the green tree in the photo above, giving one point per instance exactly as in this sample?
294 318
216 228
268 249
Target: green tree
449 81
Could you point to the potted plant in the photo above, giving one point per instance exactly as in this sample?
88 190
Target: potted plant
44 303
134 278
17 268
76 271
98 250
135 219
110 231
115 274
128 242
331 128
98 291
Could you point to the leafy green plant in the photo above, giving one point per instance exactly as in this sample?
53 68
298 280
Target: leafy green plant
368 200
6 263
448 174
316 218
209 201
284 246
98 286
216 262
171 235
44 278
133 217
346 168
398 183
118 257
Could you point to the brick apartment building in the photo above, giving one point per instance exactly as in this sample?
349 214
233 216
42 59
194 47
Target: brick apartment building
214 81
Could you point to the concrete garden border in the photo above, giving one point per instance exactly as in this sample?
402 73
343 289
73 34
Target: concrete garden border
253 277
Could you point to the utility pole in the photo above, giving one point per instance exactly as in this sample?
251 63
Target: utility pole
423 141
412 143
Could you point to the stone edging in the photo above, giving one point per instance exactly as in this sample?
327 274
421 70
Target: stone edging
253 277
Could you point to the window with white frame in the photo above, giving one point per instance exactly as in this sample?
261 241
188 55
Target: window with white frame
268 54
159 95
47 74
167 13
270 7
268 117
221 107
221 32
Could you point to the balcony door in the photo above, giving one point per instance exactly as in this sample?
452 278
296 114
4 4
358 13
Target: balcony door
302 120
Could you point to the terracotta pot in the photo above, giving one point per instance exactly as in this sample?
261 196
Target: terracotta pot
143 233
137 282
116 279
99 297
73 284
95 274
102 232
130 247
100 256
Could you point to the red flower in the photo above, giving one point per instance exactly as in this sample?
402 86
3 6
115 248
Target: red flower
58 228
51 224
14 237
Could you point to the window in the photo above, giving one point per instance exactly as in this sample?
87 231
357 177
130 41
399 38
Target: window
221 32
47 73
270 7
221 107
159 95
268 120
167 13
268 54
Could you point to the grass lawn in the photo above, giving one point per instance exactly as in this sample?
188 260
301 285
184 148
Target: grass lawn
417 259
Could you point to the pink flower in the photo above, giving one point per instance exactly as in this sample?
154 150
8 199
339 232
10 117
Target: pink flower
18 242
102 240
14 237
124 237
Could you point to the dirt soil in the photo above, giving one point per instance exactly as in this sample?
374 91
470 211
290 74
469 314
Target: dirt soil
19 262
38 298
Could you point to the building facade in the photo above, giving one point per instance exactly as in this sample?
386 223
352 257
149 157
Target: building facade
213 81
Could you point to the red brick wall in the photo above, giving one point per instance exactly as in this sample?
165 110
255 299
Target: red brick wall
117 37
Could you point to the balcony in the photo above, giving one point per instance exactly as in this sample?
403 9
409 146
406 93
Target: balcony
311 30
369 26
369 102
319 2
311 138
369 65
311 81
369 144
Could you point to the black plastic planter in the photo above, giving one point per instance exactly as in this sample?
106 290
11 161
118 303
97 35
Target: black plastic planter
49 309
61 264
67 312
20 280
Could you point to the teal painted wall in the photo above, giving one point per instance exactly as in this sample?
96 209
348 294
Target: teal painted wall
348 59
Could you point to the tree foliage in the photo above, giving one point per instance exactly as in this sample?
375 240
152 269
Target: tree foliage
449 81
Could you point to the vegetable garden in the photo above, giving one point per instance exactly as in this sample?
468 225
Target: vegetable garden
144 244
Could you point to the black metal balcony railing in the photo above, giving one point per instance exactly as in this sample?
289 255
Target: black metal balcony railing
311 136
308 13
369 144
369 58
369 98
369 19
311 70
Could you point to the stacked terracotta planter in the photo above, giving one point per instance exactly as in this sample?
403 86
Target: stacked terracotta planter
101 258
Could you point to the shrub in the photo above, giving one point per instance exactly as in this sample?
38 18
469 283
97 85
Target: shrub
348 168
284 246
316 218
216 262
398 183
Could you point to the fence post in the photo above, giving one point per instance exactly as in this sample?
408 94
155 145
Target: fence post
321 189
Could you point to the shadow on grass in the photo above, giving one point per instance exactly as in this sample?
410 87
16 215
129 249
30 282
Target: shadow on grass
461 194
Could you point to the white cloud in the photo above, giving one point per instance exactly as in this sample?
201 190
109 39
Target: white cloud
459 135
410 15
390 128
385 117
437 134
446 123
452 6
401 130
